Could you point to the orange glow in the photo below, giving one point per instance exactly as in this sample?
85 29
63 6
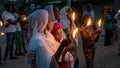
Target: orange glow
24 18
99 23
2 33
73 16
89 22
74 32
1 24
119 10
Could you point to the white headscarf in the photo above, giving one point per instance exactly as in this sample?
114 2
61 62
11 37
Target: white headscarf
63 17
50 10
43 44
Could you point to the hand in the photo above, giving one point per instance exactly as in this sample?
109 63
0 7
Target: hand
98 31
66 42
70 47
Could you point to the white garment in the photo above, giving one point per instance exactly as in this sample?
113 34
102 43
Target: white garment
49 8
18 28
117 17
42 44
5 16
63 17
90 13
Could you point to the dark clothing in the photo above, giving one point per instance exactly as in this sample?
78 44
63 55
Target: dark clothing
89 38
89 53
0 54
108 36
10 44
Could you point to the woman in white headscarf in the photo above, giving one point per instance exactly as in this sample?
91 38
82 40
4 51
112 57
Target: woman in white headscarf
50 9
43 47
54 15
65 21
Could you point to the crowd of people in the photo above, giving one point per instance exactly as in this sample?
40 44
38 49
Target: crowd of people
48 32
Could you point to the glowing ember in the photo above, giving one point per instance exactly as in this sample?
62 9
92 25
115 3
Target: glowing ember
74 32
89 22
118 10
2 33
99 23
24 18
73 16
1 24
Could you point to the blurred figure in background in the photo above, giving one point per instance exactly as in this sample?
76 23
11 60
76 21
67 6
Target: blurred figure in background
23 18
65 14
108 17
117 18
9 22
89 11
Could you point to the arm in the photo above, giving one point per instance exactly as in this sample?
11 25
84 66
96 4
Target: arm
64 43
116 15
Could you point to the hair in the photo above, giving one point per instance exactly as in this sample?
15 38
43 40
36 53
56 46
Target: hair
7 5
21 8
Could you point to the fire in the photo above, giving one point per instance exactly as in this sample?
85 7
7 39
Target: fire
2 33
74 32
73 16
1 24
89 22
119 10
24 18
99 23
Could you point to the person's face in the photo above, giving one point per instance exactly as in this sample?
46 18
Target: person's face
49 25
56 13
89 8
10 8
69 11
58 34
23 11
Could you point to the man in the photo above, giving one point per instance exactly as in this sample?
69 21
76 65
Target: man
108 27
9 23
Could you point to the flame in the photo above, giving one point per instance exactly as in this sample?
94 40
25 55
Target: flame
74 32
73 16
99 23
1 24
119 10
89 22
24 18
2 33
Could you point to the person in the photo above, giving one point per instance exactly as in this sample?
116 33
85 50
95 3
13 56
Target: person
23 18
18 37
42 45
89 38
117 18
54 16
108 27
65 13
9 23
66 58
89 11
51 11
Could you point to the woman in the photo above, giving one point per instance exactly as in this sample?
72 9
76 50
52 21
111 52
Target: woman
66 60
65 13
42 45
24 25
89 38
54 15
